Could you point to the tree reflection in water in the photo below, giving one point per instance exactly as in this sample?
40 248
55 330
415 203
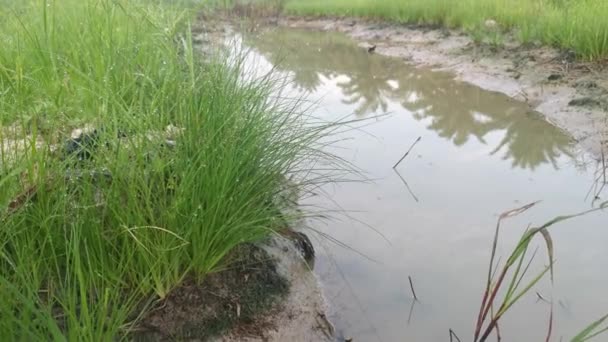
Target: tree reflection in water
456 111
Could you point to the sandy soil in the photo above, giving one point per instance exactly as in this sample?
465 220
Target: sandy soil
301 316
572 95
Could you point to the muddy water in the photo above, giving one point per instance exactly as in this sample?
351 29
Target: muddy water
481 153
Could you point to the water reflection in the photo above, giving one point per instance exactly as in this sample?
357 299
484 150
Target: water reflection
370 83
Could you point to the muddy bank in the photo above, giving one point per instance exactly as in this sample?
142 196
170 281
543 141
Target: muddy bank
572 95
300 316
267 292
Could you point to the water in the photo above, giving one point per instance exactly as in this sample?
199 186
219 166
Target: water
481 153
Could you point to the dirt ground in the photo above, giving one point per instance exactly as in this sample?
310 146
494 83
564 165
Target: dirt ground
267 292
300 317
573 95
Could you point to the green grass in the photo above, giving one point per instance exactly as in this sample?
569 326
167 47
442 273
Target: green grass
81 256
508 282
570 24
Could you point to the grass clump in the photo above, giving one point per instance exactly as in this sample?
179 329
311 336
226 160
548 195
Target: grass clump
506 283
575 25
180 162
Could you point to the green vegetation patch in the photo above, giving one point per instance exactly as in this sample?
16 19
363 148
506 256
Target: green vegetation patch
568 24
127 166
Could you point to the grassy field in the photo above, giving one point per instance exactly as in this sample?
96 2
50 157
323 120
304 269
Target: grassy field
578 25
188 160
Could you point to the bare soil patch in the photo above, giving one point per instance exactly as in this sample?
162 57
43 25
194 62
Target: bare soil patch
265 293
235 296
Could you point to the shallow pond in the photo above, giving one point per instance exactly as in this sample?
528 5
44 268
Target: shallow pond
480 154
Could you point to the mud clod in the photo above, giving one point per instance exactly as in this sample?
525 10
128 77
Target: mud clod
554 77
584 102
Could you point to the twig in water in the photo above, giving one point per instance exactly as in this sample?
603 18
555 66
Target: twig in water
524 94
412 287
453 336
407 186
550 330
408 152
540 297
599 192
329 328
409 317
600 181
604 164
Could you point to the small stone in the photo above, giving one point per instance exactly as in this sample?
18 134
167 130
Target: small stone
172 132
82 143
568 56
304 245
490 24
79 132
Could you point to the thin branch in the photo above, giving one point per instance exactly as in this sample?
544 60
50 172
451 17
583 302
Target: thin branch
408 152
599 192
550 330
407 186
409 317
412 287
453 336
541 298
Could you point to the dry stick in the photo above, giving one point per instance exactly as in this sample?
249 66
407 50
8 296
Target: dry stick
598 179
412 287
453 335
408 152
604 164
604 175
594 186
409 317
407 186
550 331
22 199
540 297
